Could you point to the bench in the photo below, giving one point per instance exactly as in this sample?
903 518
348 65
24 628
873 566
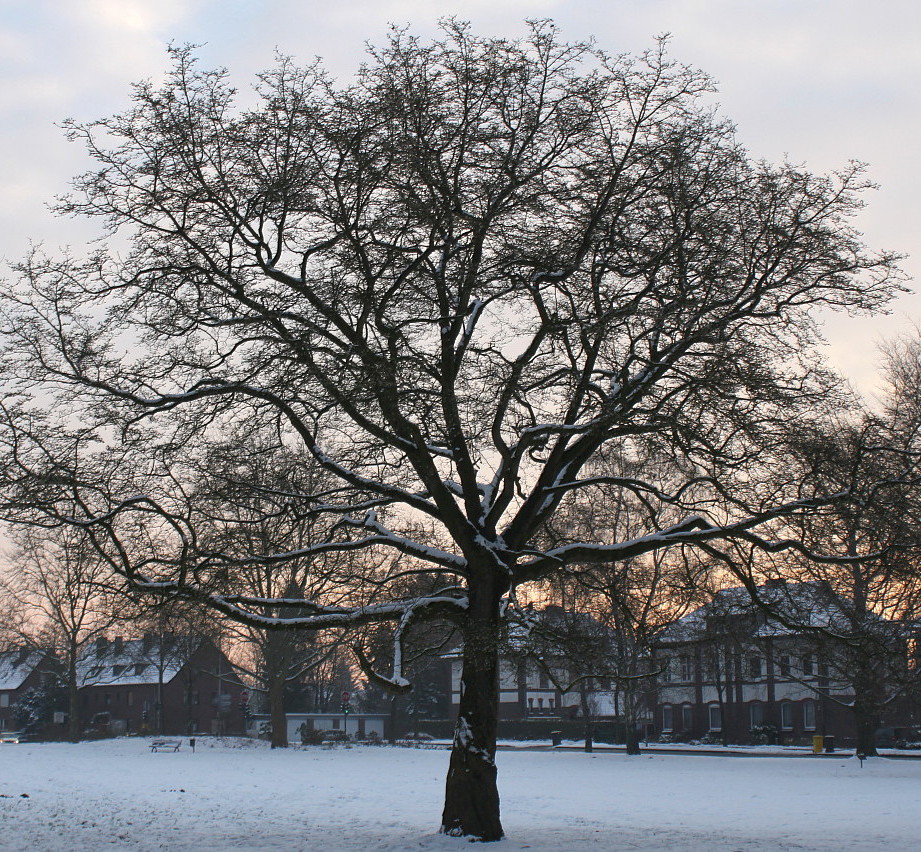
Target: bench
165 745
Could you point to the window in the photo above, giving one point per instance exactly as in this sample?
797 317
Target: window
550 703
785 665
756 714
4 699
139 668
716 717
531 703
2 724
544 681
665 672
754 667
540 703
117 670
687 717
94 671
786 716
667 720
809 714
686 669
108 698
808 664
131 699
336 724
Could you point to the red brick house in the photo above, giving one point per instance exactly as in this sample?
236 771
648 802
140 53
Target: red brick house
731 671
20 672
169 684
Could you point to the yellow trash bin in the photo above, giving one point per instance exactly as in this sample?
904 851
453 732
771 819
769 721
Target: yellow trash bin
817 744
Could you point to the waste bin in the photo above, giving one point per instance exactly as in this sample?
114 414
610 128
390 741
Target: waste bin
557 737
817 743
829 745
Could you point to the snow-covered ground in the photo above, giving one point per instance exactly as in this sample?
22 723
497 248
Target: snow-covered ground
241 795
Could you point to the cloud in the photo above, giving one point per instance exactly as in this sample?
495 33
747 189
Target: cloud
822 80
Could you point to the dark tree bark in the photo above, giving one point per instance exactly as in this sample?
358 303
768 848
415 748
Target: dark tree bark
632 741
279 722
866 717
471 791
74 721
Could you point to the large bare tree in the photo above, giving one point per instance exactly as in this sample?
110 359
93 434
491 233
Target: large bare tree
454 279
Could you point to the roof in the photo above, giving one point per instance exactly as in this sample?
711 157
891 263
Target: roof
550 629
135 661
804 606
16 666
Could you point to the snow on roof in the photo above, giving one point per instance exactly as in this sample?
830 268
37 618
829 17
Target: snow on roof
134 662
805 606
16 666
546 628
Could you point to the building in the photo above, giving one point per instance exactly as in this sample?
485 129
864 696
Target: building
737 671
555 664
21 673
159 683
358 726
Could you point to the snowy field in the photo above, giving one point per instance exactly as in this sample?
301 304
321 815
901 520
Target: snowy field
233 795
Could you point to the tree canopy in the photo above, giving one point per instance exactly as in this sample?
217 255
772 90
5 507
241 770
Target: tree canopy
452 282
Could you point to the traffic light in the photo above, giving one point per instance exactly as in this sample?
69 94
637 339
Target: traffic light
346 709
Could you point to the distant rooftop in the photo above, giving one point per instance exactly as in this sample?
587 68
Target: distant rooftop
16 666
805 606
133 662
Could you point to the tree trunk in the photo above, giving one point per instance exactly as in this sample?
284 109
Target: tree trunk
866 709
471 794
73 699
866 733
161 722
587 715
277 711
631 740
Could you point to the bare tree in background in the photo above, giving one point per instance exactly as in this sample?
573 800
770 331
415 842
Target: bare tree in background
249 497
632 599
454 280
874 598
65 598
171 630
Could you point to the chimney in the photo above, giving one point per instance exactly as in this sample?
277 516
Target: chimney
148 643
119 647
102 645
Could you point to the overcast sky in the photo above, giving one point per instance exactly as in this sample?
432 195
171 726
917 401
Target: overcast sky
820 81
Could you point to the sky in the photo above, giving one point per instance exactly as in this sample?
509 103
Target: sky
820 82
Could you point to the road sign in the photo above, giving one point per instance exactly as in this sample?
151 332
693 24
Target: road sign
346 695
244 697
